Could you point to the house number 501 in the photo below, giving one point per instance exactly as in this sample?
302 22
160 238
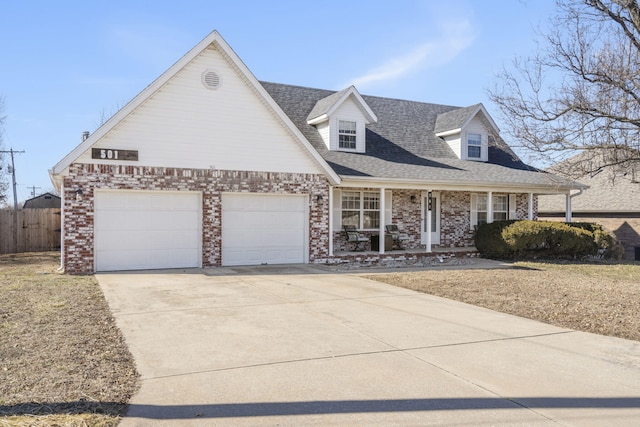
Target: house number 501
109 154
114 154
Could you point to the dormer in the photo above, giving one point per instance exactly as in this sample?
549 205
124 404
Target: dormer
468 132
341 119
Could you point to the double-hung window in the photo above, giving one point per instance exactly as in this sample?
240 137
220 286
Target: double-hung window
500 208
503 208
346 135
361 209
474 146
482 209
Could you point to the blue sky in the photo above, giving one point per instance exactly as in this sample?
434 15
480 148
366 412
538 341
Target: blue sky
66 65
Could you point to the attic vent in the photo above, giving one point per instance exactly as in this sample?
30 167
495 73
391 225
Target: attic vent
211 79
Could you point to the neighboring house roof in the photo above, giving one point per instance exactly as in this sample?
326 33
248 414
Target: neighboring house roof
611 190
402 144
43 201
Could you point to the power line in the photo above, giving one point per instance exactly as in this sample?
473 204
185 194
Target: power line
33 190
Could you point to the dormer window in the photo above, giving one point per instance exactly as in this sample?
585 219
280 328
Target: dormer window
474 146
341 119
347 135
467 131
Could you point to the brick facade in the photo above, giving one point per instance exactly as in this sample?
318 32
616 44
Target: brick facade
455 230
79 231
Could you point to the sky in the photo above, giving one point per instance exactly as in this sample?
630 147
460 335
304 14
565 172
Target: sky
67 66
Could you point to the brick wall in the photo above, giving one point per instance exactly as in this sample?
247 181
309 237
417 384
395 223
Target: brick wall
78 227
455 217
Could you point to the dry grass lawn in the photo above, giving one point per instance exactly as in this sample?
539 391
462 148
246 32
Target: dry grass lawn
63 361
599 298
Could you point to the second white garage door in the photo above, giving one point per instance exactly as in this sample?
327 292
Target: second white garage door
139 230
264 229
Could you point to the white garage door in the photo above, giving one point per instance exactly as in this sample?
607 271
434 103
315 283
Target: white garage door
139 230
264 229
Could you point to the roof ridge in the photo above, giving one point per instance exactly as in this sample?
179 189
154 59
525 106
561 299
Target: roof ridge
366 96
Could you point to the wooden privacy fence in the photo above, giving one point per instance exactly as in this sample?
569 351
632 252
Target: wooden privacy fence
38 230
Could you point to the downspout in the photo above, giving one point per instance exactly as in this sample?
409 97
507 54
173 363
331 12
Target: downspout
331 221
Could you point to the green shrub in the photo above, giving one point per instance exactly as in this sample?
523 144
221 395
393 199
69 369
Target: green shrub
489 241
540 239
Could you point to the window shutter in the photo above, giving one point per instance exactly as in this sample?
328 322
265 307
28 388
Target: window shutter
512 206
388 211
337 210
474 211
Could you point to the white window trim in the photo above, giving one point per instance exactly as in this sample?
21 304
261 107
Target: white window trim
484 147
475 145
355 135
337 208
490 211
334 132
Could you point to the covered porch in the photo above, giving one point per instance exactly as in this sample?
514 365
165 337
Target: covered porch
435 220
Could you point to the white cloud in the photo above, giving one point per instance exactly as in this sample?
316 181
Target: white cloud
455 38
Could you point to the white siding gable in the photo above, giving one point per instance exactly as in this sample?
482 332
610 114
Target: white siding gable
325 133
455 143
184 124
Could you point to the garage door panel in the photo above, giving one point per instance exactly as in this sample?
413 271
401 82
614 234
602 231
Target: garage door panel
265 228
146 230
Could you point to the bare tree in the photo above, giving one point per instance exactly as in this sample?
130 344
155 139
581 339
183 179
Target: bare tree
580 92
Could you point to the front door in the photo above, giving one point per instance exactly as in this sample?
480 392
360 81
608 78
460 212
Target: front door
435 218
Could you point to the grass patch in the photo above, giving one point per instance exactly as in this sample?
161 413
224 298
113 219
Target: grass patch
597 298
63 361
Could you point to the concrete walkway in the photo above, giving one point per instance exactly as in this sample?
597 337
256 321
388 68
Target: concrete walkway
291 346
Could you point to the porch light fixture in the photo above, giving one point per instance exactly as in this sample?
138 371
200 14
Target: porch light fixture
413 198
78 194
319 199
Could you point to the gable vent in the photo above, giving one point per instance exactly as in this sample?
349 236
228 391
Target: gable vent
211 79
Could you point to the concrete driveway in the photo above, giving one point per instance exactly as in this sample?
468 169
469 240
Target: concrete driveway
291 346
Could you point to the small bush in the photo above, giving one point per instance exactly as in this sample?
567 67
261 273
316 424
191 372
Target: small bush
489 241
540 239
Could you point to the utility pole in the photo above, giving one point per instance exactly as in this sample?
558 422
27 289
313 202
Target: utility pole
13 174
33 190
15 198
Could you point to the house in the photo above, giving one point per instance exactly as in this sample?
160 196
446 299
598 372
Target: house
43 201
209 167
612 198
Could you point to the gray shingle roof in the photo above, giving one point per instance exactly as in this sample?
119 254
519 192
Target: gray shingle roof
403 144
454 119
324 105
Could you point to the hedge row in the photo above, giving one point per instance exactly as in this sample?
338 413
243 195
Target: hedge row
548 240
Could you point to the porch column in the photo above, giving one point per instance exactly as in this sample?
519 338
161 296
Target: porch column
568 208
489 207
530 203
381 239
330 221
428 207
